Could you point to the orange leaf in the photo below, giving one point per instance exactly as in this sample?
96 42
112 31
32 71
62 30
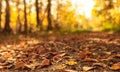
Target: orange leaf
57 58
19 64
115 66
82 55
90 59
7 55
87 52
45 62
22 43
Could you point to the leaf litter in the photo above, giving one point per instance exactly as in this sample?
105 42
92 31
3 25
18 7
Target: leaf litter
98 52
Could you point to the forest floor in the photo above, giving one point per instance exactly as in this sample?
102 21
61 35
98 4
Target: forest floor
87 52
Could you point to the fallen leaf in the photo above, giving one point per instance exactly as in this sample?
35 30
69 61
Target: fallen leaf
22 43
61 66
62 54
115 66
108 53
90 59
8 66
1 67
87 52
32 66
100 64
117 56
32 60
7 55
107 59
45 62
68 70
8 46
87 68
57 58
82 55
19 64
2 59
68 57
71 63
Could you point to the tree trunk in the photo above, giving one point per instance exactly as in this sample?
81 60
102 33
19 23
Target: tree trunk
49 16
39 22
57 27
25 18
0 14
7 28
19 24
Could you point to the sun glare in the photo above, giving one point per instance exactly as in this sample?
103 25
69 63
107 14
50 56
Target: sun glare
84 7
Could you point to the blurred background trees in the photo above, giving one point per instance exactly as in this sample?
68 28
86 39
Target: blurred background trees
26 16
108 11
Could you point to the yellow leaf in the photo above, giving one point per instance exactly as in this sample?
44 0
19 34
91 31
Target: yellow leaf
60 66
7 55
86 68
71 63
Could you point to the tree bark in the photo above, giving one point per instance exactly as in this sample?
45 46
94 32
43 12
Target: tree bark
0 14
49 16
7 18
25 18
38 20
19 24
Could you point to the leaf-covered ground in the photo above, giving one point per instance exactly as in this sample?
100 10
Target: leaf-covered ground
90 52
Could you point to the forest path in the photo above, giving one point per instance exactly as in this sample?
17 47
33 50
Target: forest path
90 52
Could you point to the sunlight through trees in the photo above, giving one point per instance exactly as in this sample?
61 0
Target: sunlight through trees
26 16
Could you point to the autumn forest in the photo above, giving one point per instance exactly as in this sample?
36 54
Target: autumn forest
26 16
59 35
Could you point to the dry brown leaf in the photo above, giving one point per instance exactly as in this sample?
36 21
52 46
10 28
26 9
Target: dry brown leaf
8 66
45 62
19 64
32 60
62 54
87 68
100 64
117 56
115 66
87 52
69 70
61 66
82 55
5 65
57 58
99 57
108 53
2 59
32 66
107 59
